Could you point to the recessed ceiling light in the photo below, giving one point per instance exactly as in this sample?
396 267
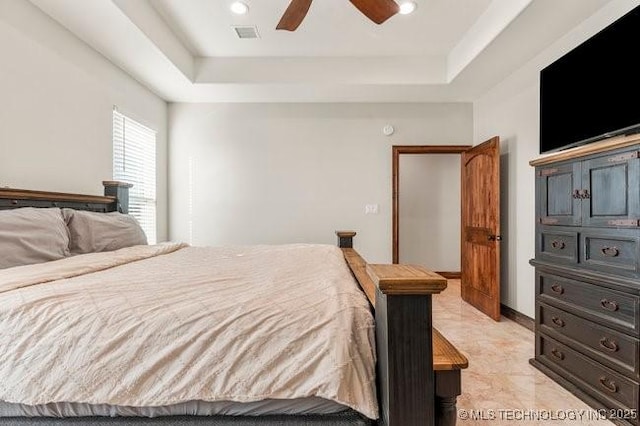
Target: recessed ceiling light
407 7
239 8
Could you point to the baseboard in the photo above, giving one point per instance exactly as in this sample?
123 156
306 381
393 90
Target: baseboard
522 319
450 275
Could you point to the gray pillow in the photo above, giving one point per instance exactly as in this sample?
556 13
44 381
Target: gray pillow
97 232
29 235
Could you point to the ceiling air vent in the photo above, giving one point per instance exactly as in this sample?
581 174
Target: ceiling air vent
247 32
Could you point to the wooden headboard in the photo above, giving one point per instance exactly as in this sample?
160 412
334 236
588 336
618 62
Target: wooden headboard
116 198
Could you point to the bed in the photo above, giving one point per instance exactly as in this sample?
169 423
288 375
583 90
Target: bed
338 388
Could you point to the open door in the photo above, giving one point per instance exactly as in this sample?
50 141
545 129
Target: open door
480 282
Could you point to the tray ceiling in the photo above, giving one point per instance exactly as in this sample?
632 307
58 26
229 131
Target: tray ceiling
447 50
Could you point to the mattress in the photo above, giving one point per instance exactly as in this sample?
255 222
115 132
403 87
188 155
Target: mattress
164 326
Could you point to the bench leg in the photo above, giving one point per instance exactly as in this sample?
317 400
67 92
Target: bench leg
448 387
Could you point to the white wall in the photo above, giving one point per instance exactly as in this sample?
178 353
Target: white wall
511 110
58 95
275 173
430 211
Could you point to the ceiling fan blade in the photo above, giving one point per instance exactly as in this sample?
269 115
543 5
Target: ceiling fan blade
294 15
377 10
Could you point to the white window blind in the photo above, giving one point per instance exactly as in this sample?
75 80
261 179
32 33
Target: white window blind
134 161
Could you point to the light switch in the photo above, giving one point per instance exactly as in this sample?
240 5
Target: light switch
371 209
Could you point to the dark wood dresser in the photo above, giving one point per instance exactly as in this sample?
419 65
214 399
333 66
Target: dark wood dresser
587 263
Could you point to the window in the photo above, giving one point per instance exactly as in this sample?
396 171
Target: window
134 161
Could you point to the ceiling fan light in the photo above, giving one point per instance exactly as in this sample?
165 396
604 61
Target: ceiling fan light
239 8
407 7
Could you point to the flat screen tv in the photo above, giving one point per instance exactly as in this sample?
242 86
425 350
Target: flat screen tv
593 92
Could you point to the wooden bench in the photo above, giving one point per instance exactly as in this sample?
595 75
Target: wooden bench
447 363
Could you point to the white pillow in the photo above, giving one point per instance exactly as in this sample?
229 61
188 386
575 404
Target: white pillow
93 232
31 235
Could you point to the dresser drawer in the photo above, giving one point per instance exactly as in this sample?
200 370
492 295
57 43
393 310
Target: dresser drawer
600 381
616 350
611 252
609 307
558 246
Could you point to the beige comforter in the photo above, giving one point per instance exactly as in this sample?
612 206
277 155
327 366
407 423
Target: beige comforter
160 325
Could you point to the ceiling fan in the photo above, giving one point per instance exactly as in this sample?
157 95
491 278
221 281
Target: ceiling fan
376 10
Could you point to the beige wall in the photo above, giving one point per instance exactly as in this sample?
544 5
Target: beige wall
430 211
58 95
511 110
277 173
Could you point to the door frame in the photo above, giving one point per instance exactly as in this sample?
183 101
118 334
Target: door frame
397 150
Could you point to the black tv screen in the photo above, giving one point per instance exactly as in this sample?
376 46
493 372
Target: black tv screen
593 92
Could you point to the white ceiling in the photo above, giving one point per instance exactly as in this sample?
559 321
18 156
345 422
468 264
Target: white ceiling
448 50
331 28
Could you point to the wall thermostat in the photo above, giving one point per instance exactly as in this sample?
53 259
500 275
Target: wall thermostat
388 130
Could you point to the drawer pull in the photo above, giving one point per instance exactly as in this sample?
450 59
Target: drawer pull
557 288
608 384
609 305
609 345
610 251
556 353
557 321
558 244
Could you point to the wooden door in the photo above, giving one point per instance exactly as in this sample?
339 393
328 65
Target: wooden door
558 201
481 227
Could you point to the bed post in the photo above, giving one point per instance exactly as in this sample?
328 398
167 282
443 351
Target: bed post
120 190
345 238
402 299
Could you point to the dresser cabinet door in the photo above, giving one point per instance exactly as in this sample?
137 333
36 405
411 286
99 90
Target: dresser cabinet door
558 203
610 190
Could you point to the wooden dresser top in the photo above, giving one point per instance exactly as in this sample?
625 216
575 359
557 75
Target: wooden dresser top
589 149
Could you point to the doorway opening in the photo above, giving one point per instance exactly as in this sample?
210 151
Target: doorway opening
425 170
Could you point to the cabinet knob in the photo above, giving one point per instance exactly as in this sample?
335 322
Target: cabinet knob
608 344
556 353
557 288
585 194
576 194
608 384
610 251
559 322
609 305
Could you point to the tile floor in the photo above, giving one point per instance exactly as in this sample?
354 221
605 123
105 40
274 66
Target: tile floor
499 376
